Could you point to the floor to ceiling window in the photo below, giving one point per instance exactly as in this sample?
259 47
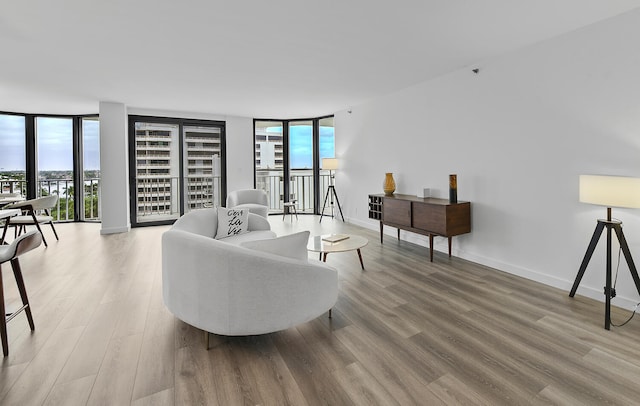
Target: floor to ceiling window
176 165
269 161
202 147
54 163
301 184
44 155
13 166
326 149
292 150
157 173
91 168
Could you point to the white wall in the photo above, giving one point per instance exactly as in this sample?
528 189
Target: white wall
114 173
240 153
517 134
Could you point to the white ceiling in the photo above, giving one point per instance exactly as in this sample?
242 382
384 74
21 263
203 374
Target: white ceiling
257 58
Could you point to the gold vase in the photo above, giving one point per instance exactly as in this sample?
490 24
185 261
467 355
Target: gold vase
389 185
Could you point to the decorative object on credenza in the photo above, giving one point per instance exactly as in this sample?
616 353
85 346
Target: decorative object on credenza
330 164
389 185
453 188
609 191
424 192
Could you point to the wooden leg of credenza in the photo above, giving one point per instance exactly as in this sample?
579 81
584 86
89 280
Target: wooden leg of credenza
431 247
449 247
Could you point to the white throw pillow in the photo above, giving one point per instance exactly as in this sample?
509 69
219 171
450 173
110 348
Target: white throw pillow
231 222
291 246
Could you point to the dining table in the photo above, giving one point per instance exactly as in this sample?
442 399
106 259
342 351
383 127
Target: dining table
6 214
5 200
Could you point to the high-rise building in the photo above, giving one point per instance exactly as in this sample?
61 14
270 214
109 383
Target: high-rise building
269 160
157 168
202 166
269 153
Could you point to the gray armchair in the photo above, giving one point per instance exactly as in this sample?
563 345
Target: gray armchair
255 200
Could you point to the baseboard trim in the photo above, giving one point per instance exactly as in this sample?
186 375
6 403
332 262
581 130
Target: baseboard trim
115 230
549 280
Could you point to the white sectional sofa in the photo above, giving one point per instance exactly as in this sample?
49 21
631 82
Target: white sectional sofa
226 288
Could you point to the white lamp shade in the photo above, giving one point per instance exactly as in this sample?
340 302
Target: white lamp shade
610 191
330 163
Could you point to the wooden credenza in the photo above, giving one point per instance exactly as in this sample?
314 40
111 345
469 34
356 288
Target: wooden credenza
427 216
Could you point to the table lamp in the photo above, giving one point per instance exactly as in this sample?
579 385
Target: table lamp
609 191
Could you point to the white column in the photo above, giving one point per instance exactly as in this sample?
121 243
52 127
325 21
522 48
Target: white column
114 168
240 153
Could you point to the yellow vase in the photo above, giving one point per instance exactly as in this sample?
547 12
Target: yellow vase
389 185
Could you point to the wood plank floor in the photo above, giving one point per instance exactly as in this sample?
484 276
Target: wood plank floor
404 331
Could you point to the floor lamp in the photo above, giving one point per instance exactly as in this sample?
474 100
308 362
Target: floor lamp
609 191
331 164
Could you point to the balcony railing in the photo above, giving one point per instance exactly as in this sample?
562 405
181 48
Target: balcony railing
13 186
154 193
64 188
157 198
92 193
202 191
300 187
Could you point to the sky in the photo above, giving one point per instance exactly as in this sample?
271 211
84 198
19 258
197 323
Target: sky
55 143
301 144
12 156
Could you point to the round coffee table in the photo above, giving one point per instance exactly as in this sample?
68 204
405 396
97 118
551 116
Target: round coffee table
352 242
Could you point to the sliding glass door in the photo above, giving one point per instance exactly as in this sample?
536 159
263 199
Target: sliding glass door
269 161
288 159
177 165
90 168
202 153
13 165
301 184
326 149
54 137
157 172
